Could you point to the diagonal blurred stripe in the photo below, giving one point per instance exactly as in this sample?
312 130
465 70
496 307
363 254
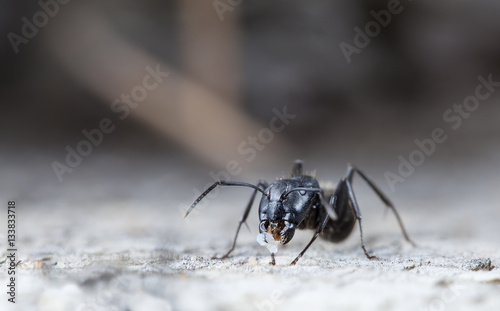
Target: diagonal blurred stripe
179 108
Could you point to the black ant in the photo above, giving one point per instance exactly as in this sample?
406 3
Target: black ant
298 202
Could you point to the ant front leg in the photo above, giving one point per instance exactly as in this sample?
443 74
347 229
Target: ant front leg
262 184
319 230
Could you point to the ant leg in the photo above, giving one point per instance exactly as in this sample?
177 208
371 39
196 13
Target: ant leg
318 231
316 234
357 212
262 184
350 172
297 168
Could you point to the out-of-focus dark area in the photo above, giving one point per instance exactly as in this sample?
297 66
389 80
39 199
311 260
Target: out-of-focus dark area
231 66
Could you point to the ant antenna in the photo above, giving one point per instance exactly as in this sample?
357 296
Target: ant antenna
222 183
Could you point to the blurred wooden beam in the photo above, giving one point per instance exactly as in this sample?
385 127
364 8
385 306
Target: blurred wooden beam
180 108
210 48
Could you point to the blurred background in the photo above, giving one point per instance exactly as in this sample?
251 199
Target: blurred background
229 66
117 114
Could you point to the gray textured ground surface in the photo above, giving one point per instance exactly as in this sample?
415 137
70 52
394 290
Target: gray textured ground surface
83 248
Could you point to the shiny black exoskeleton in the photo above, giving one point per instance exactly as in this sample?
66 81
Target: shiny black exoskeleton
298 202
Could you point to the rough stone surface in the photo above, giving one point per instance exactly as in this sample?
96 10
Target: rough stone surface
137 252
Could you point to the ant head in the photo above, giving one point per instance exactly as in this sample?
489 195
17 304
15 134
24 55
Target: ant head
283 207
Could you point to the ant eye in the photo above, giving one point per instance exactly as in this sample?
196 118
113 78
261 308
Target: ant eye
302 192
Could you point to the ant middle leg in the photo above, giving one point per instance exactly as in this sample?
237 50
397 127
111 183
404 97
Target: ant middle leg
346 183
348 203
350 173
